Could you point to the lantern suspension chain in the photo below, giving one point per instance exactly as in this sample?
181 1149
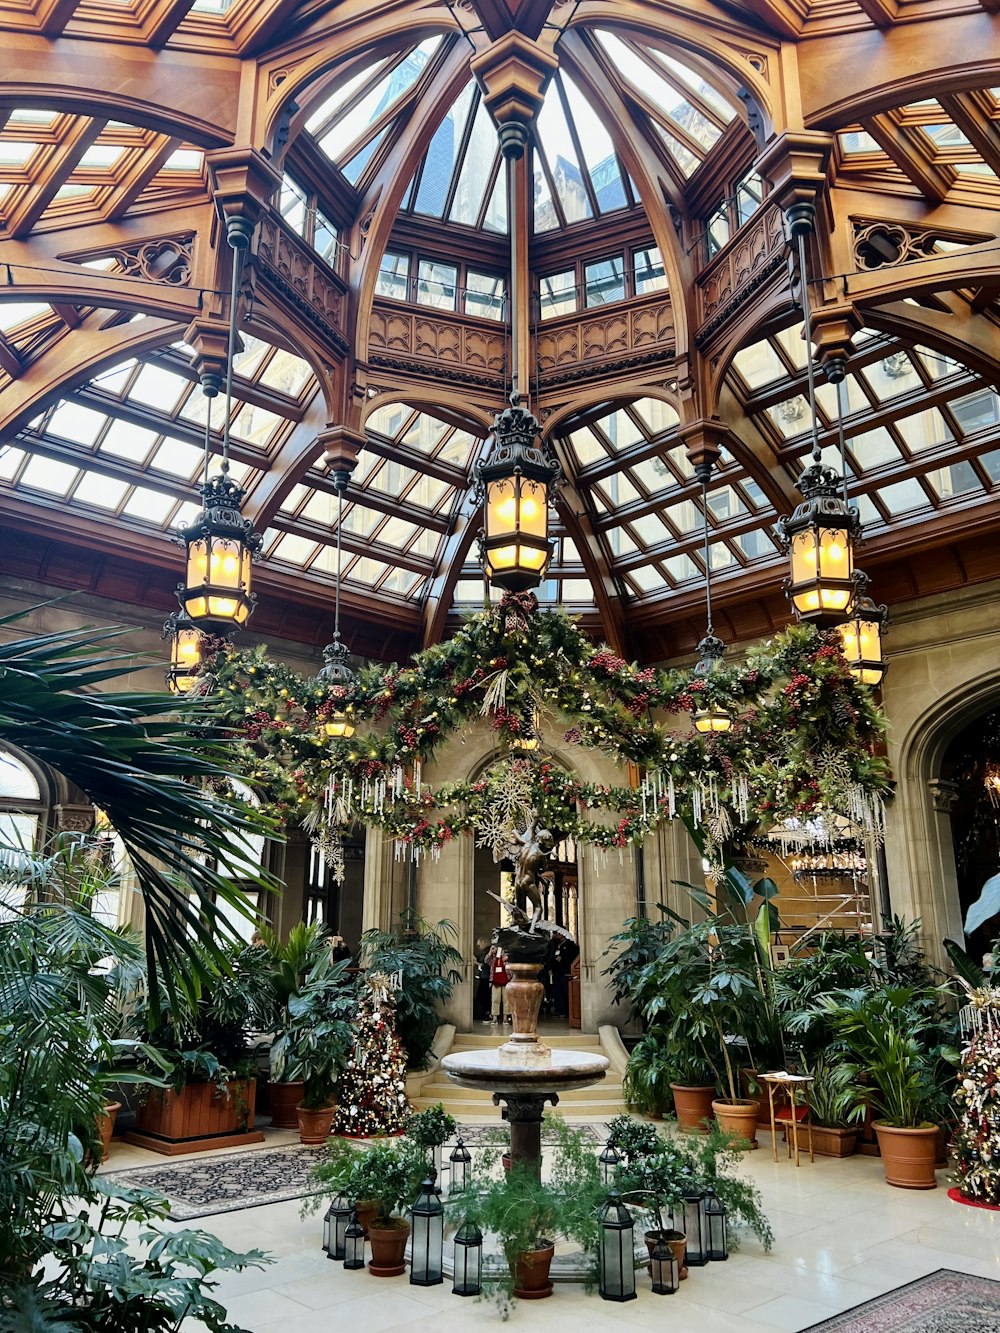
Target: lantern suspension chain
336 594
705 470
839 384
513 145
810 369
237 254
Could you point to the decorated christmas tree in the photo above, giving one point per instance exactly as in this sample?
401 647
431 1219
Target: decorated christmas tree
977 1141
373 1086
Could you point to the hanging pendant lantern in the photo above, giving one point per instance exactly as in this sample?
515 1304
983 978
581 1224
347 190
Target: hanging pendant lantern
531 736
861 635
515 486
710 717
819 536
220 546
185 652
338 724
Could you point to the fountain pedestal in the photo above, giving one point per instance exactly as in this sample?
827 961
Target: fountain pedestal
524 1073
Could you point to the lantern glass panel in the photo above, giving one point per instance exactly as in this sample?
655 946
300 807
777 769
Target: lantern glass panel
822 568
696 1249
339 726
715 1226
427 1238
708 720
616 1259
185 658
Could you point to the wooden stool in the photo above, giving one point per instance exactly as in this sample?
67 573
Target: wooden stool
793 1084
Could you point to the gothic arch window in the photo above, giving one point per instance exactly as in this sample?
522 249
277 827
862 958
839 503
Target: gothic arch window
22 803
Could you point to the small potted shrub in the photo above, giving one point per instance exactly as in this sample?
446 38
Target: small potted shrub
647 1076
315 1044
386 1175
431 1129
288 963
836 1108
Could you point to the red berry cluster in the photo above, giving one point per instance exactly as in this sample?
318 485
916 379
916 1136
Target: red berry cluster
639 704
607 662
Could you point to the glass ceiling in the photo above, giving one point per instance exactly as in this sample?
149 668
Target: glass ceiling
130 443
956 145
405 494
921 427
122 167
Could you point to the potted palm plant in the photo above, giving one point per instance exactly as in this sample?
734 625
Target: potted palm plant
314 1046
385 1175
886 1034
289 962
836 1107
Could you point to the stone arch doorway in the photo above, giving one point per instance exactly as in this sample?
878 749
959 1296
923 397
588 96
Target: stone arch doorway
971 775
920 849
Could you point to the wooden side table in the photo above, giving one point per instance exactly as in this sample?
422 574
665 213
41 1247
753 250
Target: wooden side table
793 1084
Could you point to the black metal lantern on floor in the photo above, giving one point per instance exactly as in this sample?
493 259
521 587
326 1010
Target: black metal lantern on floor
427 1237
861 635
692 1224
716 1236
460 1162
354 1244
609 1159
663 1269
616 1257
468 1278
335 1224
185 652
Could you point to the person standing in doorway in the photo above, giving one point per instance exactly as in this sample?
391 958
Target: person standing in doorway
482 997
498 980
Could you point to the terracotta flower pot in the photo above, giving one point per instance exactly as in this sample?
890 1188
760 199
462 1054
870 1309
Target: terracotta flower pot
367 1211
908 1156
531 1274
283 1099
738 1117
677 1241
314 1123
505 1161
388 1248
106 1126
693 1105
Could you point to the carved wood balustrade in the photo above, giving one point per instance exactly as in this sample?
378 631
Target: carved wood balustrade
754 255
621 337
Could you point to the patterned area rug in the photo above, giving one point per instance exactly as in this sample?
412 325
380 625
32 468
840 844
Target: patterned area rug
227 1182
942 1302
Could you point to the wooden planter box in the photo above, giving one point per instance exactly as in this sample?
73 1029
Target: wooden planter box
828 1142
197 1118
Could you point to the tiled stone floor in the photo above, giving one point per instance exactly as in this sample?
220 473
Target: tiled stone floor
842 1237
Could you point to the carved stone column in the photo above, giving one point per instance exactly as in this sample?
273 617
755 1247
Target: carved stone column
524 1115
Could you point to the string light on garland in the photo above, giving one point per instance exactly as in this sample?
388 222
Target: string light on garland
185 652
861 635
338 723
220 544
709 715
820 533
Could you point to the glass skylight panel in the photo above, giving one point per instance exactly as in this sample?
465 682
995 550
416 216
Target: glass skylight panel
124 440
619 542
791 416
654 475
753 493
457 448
682 464
560 155
685 517
424 433
184 159
618 490
72 421
657 416
100 491
587 448
681 568
296 550
662 94
545 216
648 272
759 364
354 168
286 373
152 506
178 458
343 94
321 507
598 150
477 170
990 461
393 276
647 578
399 581
621 430
858 141
30 116
852 395
557 293
725 503
755 545
10 461
577 590
894 375
16 152
976 411
366 570
874 448
946 135
867 510
682 155
696 83
721 556
924 430
15 313
570 555
442 155
903 497
953 480
426 543
391 478
396 533
158 388
256 425
387 419
102 156
429 492
650 529
49 475
294 498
